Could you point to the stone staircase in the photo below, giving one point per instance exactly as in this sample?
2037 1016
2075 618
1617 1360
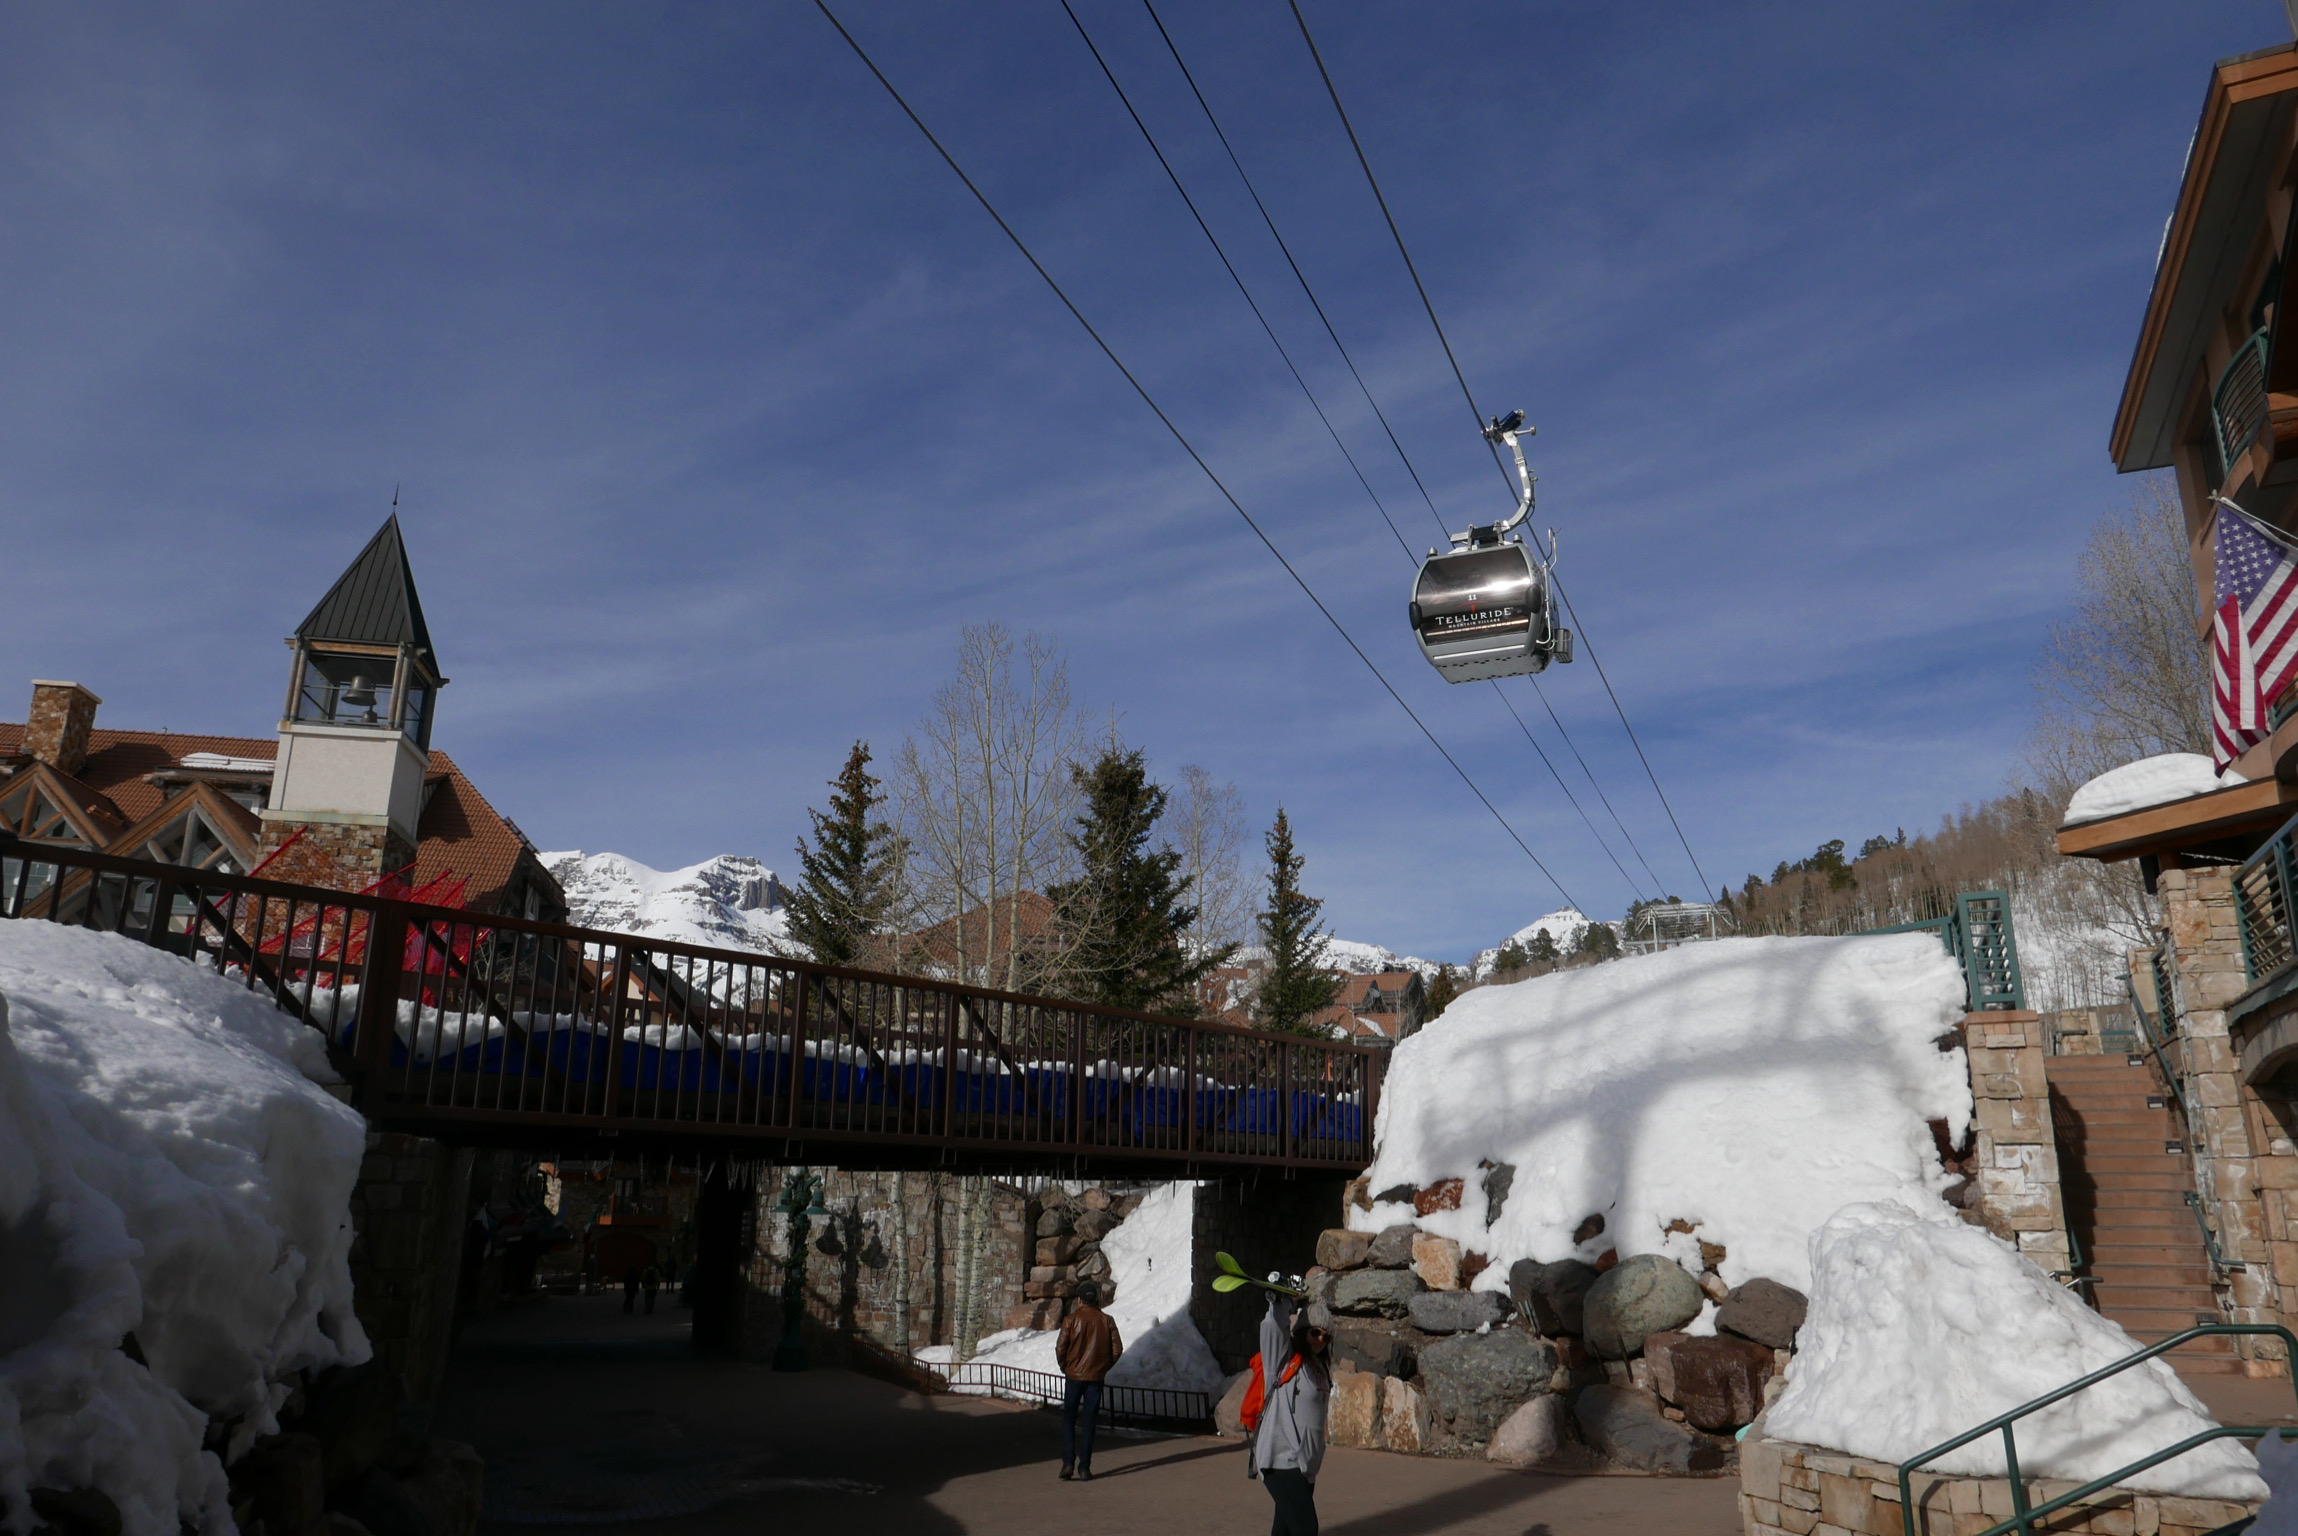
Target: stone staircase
2124 1175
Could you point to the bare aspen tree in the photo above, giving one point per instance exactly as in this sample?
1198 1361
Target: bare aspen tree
898 1202
1208 829
973 1201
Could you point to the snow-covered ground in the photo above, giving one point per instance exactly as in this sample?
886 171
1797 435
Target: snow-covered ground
170 1168
1750 1087
2149 781
1921 1327
1149 1255
730 902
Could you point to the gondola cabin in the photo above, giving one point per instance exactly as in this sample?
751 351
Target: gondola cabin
1487 610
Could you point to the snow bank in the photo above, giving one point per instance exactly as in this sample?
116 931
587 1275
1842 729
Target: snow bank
2149 781
169 1167
1149 1254
1750 1087
1922 1327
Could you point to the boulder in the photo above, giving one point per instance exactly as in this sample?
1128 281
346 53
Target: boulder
1094 1266
1052 1250
1379 1348
1443 1195
1229 1412
1437 1261
1645 1294
1550 1295
76 1511
1357 1194
1051 1196
1355 1415
1765 1311
1472 1381
1629 1430
1047 1274
1718 1382
389 1506
1392 1249
1375 1292
1457 1311
1093 1226
285 1478
1339 1248
1531 1435
1054 1221
1499 1179
1125 1205
1096 1200
1403 1416
353 1412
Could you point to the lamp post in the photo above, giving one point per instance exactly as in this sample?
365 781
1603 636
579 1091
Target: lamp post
801 1201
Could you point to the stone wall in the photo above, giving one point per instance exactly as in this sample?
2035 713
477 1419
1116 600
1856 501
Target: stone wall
408 1213
1269 1222
1799 1490
2232 1130
333 855
2014 1160
2090 1031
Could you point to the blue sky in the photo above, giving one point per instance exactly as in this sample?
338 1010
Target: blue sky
719 406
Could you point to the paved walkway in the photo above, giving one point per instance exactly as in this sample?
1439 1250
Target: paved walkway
587 1417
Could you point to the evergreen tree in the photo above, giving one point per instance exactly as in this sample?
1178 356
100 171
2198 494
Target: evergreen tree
1600 940
1512 957
1126 913
1544 948
1441 992
1296 986
849 881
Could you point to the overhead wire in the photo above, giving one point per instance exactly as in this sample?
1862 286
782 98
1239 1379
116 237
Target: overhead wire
1245 291
1475 411
1182 438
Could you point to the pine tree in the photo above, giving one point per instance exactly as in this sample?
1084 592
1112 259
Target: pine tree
849 881
1126 913
1296 986
1600 940
1441 992
1544 948
1512 957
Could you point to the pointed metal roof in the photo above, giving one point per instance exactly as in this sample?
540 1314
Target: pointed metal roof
374 601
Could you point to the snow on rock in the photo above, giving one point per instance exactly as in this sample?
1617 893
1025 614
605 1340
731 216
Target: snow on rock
1351 957
1751 1087
1921 1327
2149 781
1149 1255
169 1166
730 902
1562 925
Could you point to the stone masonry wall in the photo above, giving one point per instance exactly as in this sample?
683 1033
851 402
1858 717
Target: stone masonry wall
1799 1490
408 1211
332 855
2014 1164
2229 1126
56 732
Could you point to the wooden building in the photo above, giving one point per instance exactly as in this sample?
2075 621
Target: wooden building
349 793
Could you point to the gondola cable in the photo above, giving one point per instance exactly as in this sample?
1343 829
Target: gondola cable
1470 396
1186 446
1245 292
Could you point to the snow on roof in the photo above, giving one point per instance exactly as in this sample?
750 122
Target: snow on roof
2157 780
1921 1326
169 1164
217 762
1750 1087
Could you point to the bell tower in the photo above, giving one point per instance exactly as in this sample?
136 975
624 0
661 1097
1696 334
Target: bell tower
355 738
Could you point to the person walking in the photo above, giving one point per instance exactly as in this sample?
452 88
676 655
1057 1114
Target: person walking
1290 1444
1088 1346
650 1282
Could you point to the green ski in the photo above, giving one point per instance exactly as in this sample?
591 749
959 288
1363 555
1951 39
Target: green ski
1233 1277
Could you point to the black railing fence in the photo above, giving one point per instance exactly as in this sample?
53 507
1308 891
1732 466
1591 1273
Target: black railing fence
508 1027
1140 1405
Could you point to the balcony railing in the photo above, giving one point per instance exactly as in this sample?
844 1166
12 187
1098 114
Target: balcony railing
2262 903
1978 934
2238 403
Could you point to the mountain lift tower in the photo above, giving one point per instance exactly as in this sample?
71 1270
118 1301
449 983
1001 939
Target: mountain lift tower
1486 607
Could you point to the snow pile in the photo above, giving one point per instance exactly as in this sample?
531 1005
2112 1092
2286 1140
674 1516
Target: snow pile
2149 781
1749 1087
169 1168
1922 1327
1149 1256
1563 925
728 902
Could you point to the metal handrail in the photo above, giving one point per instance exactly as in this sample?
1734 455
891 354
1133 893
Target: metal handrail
2023 1517
1172 1405
2218 1262
2263 888
2238 400
1979 936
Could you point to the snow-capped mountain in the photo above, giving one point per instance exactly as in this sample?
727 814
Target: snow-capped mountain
731 901
1563 925
1353 957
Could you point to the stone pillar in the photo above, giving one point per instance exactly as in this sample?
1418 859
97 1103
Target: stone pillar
334 855
2015 1152
2198 916
408 1211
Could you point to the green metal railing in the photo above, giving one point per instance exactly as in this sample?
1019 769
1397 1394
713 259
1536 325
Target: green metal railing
2024 1517
2238 403
1978 934
2263 889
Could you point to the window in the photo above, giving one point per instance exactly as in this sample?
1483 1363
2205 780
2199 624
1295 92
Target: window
339 689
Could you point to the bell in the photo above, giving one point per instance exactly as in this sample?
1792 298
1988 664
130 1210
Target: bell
361 693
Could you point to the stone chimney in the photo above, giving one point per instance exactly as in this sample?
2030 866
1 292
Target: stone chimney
62 716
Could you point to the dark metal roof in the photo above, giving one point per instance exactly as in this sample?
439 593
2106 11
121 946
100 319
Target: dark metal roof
373 602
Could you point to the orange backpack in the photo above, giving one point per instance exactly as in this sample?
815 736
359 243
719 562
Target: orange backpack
1257 1396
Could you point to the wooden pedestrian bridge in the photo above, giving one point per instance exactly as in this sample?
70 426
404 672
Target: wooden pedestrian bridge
488 1030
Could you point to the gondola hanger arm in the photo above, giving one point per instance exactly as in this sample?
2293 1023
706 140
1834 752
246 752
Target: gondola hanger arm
1506 429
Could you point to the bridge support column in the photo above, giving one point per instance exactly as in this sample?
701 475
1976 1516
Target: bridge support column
723 1213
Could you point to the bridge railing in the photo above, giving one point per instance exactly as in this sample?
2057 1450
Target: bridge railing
445 1018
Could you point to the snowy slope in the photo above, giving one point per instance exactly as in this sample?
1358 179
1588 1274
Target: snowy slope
169 1167
731 902
1563 925
1750 1087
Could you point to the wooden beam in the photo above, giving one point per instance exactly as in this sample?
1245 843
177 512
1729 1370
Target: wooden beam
2262 804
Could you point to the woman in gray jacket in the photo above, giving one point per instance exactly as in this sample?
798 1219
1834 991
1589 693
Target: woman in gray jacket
1290 1446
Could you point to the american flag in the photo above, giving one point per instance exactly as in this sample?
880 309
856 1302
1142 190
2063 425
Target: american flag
2254 639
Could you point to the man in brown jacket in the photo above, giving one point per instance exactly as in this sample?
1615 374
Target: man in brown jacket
1088 1347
